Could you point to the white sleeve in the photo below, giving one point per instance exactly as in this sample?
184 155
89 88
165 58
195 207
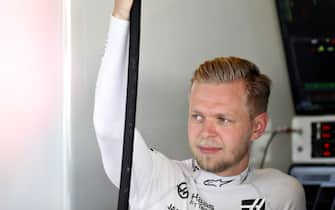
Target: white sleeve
109 110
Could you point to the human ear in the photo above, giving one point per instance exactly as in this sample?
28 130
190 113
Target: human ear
259 125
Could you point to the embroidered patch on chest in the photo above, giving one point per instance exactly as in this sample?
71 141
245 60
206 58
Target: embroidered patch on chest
182 190
216 182
253 204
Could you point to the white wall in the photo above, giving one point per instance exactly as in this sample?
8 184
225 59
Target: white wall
176 37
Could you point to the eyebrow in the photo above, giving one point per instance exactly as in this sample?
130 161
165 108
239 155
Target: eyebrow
195 111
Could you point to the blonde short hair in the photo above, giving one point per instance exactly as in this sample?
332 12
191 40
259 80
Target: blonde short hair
222 69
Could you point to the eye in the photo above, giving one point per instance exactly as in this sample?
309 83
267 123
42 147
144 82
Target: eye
197 117
224 120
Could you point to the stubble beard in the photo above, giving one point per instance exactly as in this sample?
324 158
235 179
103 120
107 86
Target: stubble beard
218 163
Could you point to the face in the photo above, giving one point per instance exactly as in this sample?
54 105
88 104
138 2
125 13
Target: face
220 128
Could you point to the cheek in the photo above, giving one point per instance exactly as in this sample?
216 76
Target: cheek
233 137
193 131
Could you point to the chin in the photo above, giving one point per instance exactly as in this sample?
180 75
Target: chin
211 165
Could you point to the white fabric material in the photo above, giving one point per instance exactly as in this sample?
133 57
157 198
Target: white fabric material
159 183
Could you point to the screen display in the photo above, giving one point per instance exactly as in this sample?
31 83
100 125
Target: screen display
312 16
323 139
308 31
313 75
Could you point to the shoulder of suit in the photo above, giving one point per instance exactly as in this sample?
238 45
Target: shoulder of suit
272 181
162 161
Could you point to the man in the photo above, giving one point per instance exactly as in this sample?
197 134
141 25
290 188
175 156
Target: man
227 112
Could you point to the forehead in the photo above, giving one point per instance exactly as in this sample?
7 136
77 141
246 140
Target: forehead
230 94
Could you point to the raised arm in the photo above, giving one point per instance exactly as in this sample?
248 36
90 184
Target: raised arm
122 9
110 97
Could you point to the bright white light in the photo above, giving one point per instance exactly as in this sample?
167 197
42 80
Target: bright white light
67 66
30 75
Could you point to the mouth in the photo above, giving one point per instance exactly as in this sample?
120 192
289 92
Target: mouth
209 150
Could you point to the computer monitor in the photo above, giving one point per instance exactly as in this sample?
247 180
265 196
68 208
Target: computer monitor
308 33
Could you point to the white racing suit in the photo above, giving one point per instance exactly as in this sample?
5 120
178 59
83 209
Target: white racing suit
159 183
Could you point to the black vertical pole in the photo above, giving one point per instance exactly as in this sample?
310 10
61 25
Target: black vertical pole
127 156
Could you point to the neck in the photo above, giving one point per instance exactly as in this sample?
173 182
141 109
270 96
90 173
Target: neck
235 169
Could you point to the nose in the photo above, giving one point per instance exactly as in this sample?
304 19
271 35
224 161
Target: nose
208 129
